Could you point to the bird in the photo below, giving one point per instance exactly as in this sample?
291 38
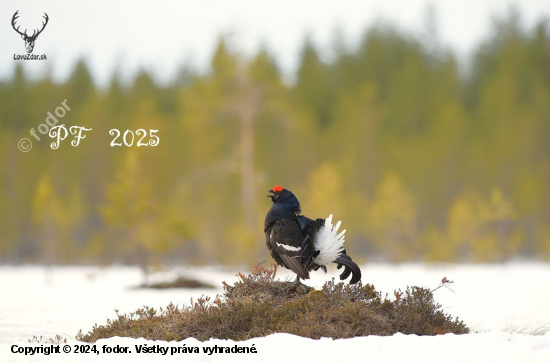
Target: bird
301 244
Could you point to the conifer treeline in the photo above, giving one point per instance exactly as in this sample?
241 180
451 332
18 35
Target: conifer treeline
419 162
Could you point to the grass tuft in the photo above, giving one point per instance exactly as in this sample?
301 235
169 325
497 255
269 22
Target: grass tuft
529 329
57 340
258 305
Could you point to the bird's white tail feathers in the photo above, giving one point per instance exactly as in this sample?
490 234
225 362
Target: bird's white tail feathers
329 242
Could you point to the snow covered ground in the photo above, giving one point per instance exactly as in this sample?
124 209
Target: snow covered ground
35 301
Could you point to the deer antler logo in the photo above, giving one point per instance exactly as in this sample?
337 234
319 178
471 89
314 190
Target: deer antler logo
29 40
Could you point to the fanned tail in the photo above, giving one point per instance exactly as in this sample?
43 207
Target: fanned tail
328 245
329 242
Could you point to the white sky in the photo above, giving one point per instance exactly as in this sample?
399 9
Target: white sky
162 35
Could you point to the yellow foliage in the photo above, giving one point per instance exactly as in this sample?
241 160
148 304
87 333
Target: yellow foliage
481 229
129 196
324 192
241 243
46 208
391 218
464 222
543 247
436 246
95 248
130 208
53 221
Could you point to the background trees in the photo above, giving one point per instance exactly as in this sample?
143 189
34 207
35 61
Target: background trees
419 162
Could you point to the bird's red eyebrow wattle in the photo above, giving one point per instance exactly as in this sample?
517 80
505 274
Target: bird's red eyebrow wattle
277 188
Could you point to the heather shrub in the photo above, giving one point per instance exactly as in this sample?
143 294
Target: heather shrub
258 305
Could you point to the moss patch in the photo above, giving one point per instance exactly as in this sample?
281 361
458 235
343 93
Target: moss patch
258 305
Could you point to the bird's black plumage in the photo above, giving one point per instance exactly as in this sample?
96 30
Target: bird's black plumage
290 238
282 229
285 238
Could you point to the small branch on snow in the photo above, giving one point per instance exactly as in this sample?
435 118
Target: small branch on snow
444 283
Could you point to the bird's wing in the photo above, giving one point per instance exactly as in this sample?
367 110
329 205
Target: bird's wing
286 239
305 223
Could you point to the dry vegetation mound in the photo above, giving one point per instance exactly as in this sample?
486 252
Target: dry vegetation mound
258 305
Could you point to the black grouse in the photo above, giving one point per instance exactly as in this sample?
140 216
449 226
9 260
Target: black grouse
302 244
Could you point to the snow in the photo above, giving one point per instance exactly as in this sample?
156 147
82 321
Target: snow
36 300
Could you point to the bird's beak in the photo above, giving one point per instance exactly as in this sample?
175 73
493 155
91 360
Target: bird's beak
270 191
